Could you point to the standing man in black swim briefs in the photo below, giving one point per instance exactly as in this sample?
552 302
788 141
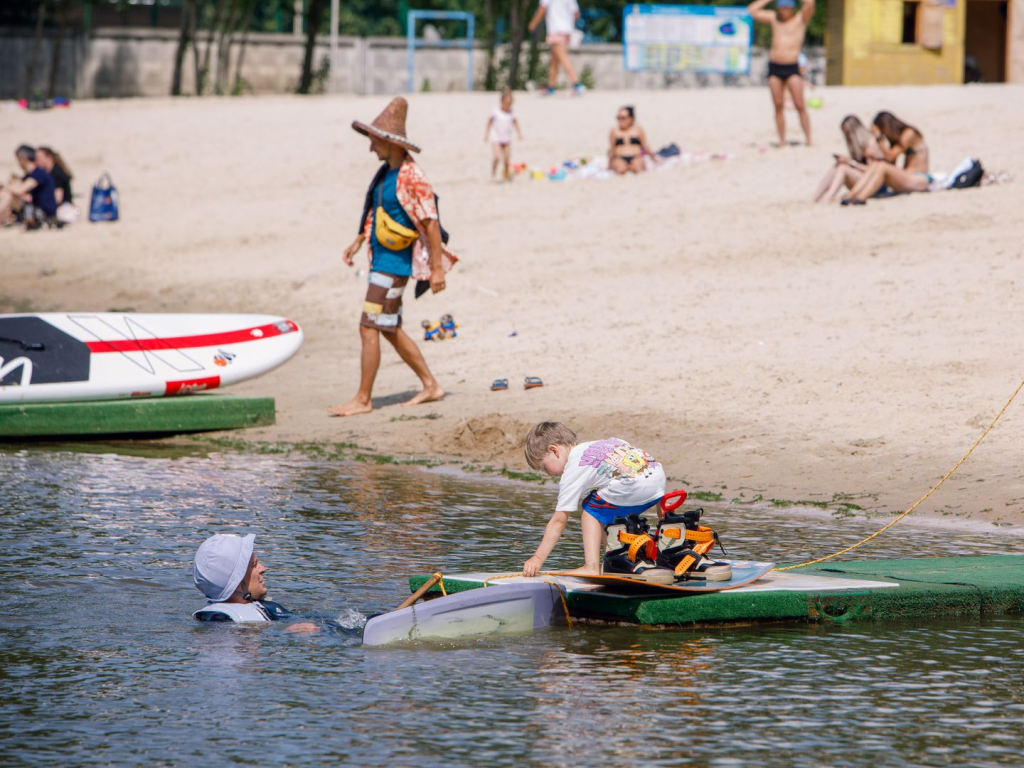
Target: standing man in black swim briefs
789 28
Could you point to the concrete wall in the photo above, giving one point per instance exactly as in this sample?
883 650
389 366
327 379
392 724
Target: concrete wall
126 62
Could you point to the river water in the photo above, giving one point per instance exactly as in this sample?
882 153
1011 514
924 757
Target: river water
100 662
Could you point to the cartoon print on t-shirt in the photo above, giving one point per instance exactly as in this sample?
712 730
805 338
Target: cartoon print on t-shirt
620 460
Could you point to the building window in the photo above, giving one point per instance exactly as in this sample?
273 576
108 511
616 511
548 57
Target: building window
910 10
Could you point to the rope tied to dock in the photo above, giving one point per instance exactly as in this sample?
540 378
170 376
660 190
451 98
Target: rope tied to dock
921 500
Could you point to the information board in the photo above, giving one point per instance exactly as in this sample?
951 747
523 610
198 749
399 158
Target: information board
687 38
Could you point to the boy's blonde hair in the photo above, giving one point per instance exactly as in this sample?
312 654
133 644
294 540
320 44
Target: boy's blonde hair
543 435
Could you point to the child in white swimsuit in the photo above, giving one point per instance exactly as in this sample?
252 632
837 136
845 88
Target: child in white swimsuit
499 132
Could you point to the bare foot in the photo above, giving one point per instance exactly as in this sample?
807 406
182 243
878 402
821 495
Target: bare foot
585 571
353 407
428 395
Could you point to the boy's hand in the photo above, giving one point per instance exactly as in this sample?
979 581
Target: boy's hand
532 566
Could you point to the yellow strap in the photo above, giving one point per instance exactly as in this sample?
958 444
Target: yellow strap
917 503
701 534
440 583
635 541
685 564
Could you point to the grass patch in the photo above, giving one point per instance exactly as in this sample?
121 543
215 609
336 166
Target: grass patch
429 416
705 496
526 477
785 504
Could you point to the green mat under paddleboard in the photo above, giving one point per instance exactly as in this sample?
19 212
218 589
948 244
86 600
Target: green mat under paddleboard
150 416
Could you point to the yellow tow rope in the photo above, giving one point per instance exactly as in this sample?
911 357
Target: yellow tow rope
917 503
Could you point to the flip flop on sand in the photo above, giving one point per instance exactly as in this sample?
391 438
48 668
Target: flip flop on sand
853 201
532 382
499 384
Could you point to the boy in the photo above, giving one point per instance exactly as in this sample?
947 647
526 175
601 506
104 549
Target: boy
615 478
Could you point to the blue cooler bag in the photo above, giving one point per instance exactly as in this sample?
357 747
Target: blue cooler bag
104 205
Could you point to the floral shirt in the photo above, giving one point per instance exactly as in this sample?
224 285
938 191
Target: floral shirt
416 197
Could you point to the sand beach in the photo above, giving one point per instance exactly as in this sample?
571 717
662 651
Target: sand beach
757 344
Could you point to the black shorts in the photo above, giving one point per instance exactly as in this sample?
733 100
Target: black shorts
783 71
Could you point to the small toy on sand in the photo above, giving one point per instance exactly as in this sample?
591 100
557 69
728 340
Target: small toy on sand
431 330
814 102
448 326
441 330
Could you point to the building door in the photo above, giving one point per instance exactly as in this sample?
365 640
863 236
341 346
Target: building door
985 41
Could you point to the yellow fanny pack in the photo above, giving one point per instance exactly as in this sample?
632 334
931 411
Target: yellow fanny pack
390 233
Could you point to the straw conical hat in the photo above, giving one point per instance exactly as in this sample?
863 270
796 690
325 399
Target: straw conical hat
389 125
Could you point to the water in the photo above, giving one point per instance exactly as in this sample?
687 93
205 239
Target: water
100 662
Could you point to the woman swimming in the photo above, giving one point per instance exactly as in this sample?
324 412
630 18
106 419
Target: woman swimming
628 144
895 138
849 169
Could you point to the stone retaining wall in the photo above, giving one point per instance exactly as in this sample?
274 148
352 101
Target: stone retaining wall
128 62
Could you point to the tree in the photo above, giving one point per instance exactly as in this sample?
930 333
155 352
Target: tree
185 36
314 16
30 72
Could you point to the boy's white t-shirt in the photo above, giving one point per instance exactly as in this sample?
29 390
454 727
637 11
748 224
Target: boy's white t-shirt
501 127
560 17
621 474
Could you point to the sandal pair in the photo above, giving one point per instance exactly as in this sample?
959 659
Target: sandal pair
531 382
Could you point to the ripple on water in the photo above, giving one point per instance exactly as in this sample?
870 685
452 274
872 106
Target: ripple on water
101 663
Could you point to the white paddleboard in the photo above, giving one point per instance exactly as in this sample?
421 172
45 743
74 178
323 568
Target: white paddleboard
112 355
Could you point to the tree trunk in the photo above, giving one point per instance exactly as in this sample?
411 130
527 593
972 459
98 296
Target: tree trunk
239 83
188 11
225 37
533 70
63 11
193 24
490 76
314 15
517 31
30 72
204 73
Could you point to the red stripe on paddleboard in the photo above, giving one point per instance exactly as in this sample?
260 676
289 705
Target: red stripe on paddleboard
191 385
186 342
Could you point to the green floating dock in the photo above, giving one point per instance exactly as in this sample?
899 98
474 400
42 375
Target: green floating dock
835 592
150 416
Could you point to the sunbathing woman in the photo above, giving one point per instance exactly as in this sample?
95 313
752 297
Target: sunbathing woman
897 138
628 144
849 169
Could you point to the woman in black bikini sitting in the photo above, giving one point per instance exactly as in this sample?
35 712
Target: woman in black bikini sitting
895 138
628 144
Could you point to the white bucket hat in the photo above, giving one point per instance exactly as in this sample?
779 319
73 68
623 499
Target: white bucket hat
220 564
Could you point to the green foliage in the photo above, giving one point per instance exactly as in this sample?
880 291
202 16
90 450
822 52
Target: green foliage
587 77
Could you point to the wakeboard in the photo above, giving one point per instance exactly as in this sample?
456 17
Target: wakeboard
743 572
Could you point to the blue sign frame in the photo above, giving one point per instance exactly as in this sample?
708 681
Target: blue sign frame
412 45
682 47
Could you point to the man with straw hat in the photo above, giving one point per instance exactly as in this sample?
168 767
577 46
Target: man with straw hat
400 224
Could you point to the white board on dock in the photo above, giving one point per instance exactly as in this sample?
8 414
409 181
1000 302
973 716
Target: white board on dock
54 357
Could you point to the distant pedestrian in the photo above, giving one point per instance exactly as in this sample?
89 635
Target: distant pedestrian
499 134
560 17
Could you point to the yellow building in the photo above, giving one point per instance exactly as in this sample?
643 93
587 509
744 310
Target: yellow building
920 42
